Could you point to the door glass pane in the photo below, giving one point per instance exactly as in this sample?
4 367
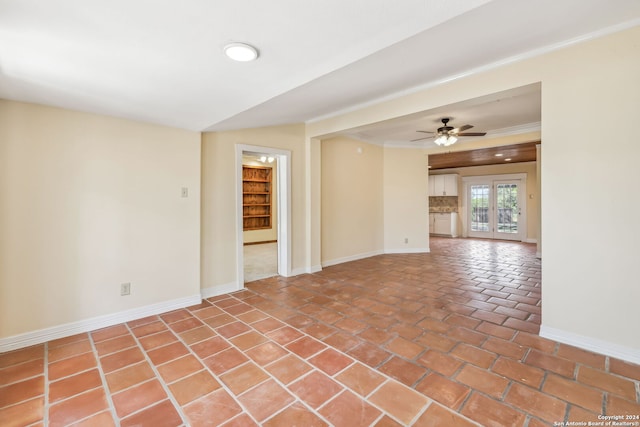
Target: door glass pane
507 207
480 207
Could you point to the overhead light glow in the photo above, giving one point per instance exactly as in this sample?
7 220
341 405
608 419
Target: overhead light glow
498 154
241 52
507 160
445 140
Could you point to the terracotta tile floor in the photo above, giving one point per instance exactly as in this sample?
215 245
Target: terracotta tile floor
441 339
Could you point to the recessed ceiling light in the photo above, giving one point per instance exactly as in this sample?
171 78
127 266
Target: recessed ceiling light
507 160
498 154
241 52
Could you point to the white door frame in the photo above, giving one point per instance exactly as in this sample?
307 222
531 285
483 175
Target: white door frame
490 179
283 200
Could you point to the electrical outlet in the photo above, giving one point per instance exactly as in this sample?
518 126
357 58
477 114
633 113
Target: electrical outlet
406 240
125 289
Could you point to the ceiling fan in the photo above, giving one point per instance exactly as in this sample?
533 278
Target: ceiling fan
447 135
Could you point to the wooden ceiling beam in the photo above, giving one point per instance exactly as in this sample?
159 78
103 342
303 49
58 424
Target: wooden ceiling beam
518 153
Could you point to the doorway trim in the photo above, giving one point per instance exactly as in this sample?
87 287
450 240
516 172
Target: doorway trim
283 201
467 180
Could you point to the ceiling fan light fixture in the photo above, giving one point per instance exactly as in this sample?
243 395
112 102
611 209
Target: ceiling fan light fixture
445 140
241 52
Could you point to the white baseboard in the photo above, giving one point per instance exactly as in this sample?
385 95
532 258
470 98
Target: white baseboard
539 255
356 257
592 344
530 240
374 253
214 291
307 270
68 329
315 269
304 270
407 251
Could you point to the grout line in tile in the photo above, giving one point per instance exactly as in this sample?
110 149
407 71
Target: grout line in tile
129 415
131 386
157 375
567 412
107 354
440 405
117 423
76 395
506 389
422 411
217 377
269 376
388 378
544 380
335 396
378 419
21 379
103 379
71 375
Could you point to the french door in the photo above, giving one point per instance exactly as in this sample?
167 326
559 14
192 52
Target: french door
495 209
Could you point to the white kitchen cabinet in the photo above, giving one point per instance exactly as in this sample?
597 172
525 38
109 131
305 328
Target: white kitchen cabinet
443 185
443 224
450 185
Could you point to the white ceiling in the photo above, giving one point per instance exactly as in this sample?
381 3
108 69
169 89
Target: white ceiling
162 62
515 111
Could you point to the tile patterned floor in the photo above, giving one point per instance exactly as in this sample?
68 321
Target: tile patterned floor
441 339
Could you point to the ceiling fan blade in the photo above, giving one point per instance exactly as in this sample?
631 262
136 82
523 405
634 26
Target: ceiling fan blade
424 131
472 134
420 139
461 128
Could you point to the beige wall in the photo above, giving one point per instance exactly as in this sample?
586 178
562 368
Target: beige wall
352 200
406 207
531 198
589 178
88 202
219 229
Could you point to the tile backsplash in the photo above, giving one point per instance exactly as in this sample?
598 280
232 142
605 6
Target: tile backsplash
443 204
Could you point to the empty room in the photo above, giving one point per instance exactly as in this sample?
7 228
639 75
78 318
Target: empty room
335 214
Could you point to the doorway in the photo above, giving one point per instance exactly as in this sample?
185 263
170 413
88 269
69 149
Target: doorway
259 216
496 206
279 162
